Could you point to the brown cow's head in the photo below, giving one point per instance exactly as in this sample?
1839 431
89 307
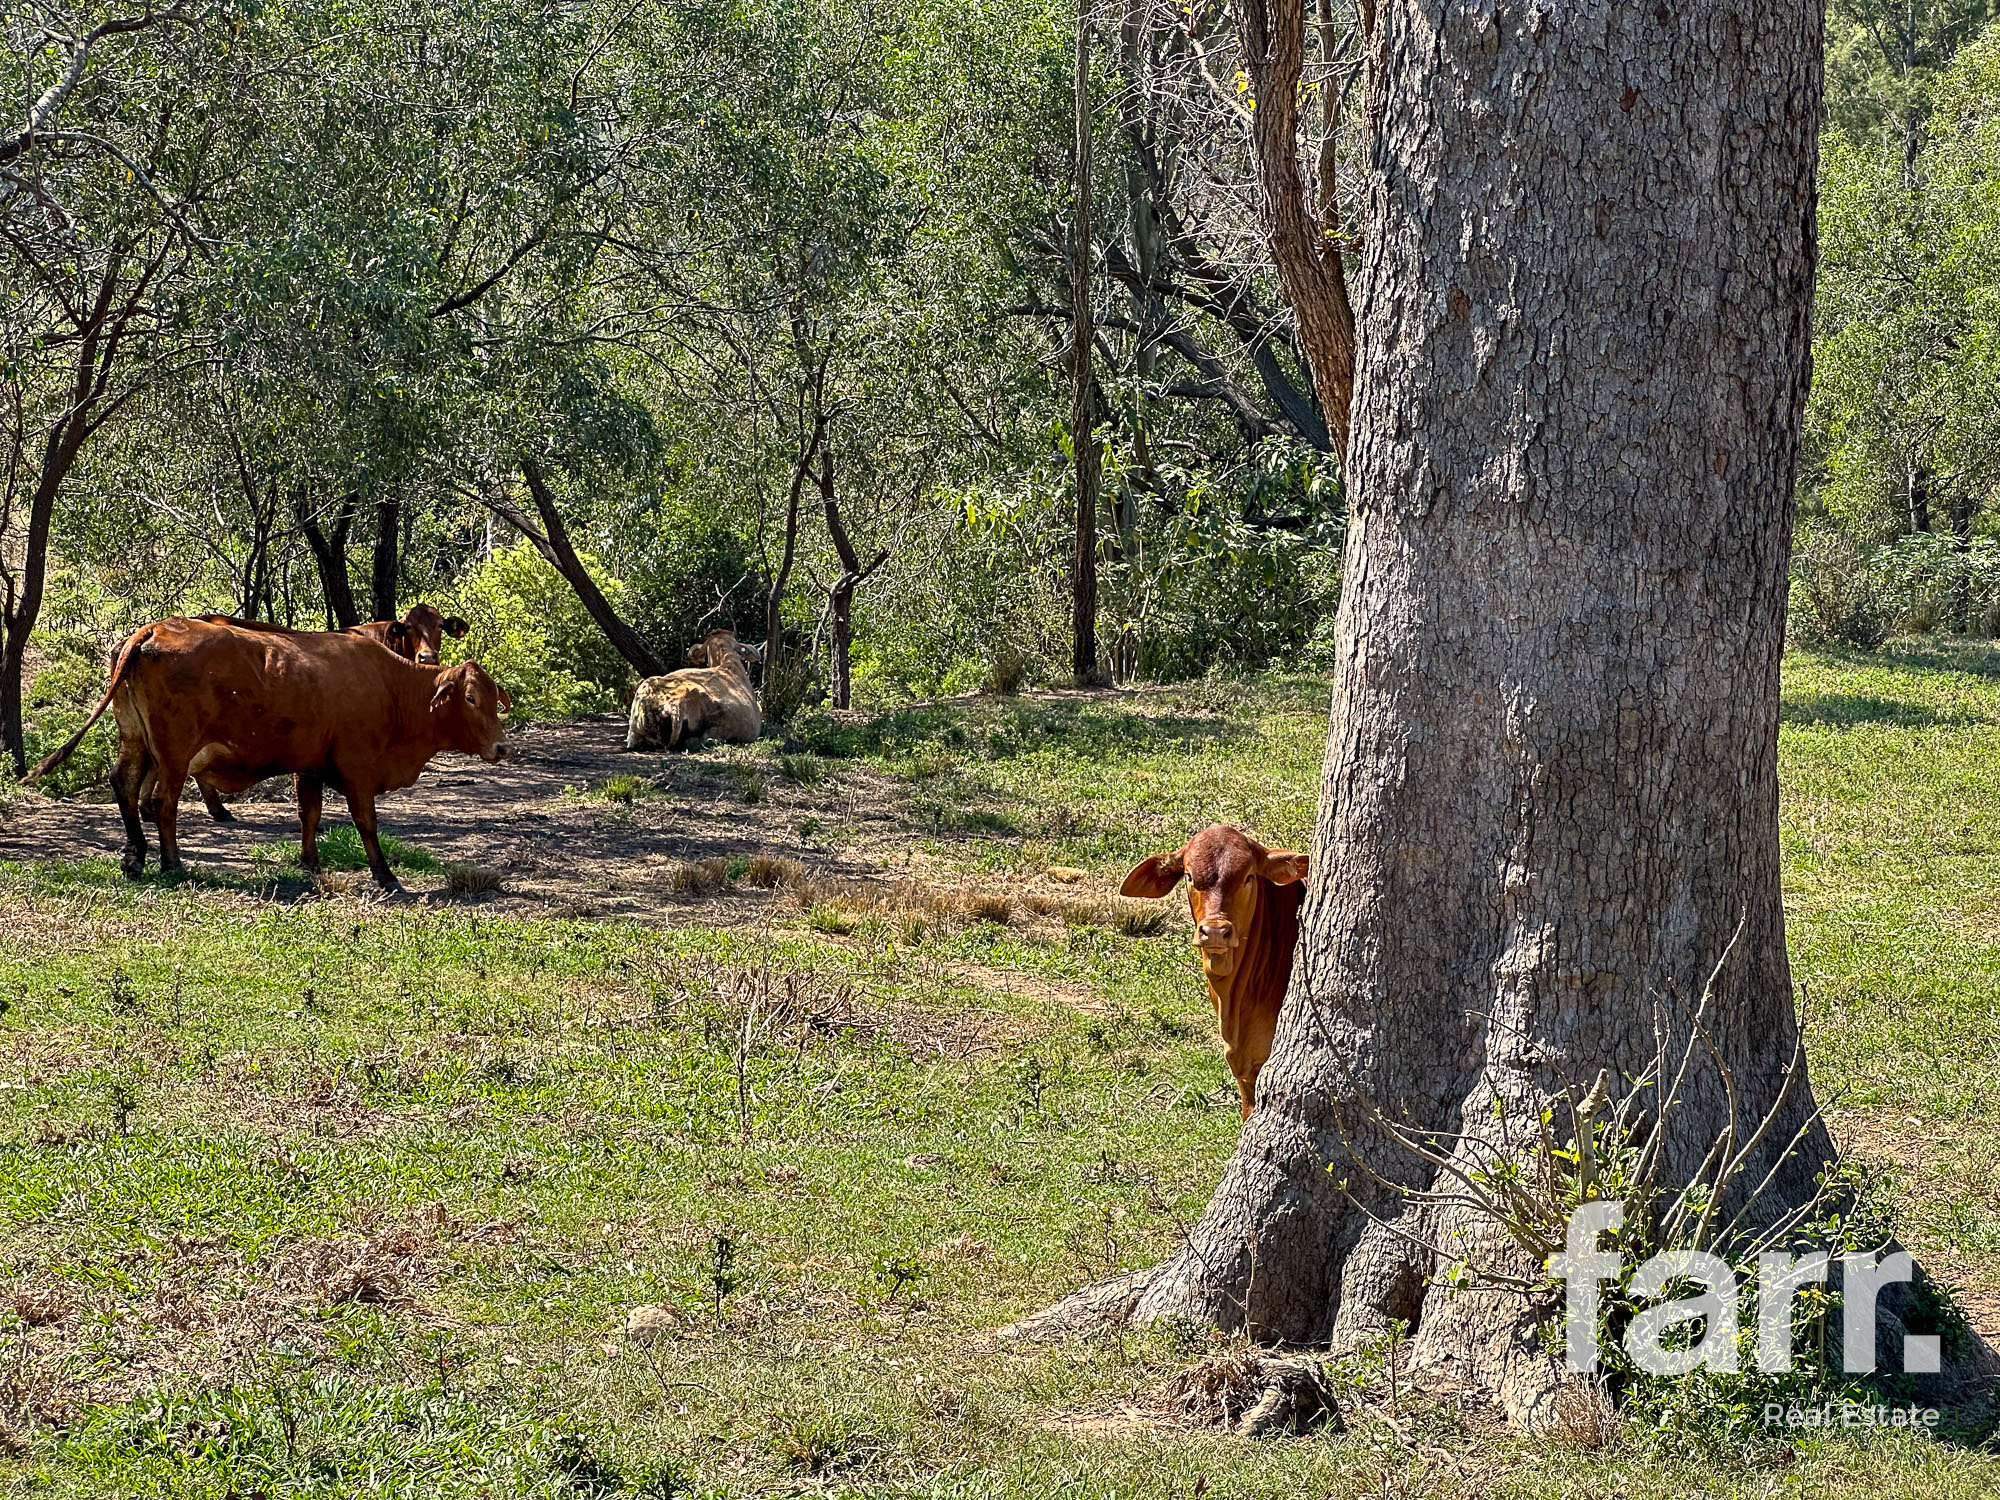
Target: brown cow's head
467 706
425 629
1218 863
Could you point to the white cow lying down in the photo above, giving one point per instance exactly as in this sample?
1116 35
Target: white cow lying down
714 699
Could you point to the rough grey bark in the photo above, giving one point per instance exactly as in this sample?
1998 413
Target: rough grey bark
1550 789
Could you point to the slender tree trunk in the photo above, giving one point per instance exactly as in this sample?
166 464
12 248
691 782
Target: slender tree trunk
1549 805
1959 513
330 557
22 607
781 579
385 565
1917 494
840 599
1083 438
551 539
1304 243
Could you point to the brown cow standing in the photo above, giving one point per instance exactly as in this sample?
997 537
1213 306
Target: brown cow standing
416 637
1245 900
235 705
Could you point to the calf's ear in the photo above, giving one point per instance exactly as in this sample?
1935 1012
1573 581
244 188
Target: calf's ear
506 703
1282 866
456 627
398 631
1153 878
445 683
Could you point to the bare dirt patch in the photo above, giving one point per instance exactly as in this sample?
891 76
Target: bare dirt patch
539 821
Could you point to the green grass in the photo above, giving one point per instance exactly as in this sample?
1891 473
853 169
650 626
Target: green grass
214 1107
623 788
340 849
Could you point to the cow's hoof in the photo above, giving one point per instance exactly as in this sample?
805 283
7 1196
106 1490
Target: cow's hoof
134 866
221 814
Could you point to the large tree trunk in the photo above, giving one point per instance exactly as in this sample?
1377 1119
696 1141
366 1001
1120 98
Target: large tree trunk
1550 792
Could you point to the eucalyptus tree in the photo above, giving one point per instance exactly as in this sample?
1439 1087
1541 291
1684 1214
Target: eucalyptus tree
129 140
423 180
1544 892
765 259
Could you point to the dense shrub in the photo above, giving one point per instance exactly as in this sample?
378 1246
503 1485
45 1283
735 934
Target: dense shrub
1846 592
533 634
1933 581
699 572
1837 595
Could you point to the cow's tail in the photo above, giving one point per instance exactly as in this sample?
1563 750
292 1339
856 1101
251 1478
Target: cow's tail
676 721
120 665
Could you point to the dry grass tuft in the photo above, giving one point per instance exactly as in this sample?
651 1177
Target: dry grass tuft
384 1268
40 1307
340 882
768 871
698 877
990 906
839 905
472 880
1584 1416
1137 918
1213 1392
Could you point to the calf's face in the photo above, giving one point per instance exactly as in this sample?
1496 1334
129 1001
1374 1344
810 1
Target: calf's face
1218 864
467 707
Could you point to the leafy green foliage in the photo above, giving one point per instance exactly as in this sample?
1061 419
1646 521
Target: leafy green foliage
61 697
533 634
1904 428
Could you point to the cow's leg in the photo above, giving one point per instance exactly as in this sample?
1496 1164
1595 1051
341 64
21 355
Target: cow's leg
128 783
212 800
167 814
310 791
363 809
